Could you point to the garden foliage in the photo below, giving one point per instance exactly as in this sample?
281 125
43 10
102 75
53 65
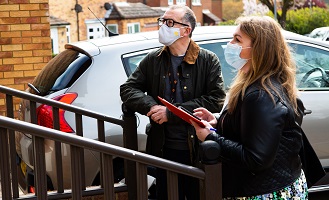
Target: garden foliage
303 21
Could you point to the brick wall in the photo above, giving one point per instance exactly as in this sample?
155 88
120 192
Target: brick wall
25 45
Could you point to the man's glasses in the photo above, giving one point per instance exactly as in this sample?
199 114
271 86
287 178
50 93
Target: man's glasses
169 22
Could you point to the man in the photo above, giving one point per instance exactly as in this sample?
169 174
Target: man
184 74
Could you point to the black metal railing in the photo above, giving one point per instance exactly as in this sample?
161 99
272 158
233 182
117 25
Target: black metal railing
136 163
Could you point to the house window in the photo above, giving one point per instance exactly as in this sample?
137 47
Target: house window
95 29
196 2
170 2
112 27
133 27
68 34
181 2
54 40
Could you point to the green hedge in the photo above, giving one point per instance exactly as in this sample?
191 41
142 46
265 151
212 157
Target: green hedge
228 22
303 21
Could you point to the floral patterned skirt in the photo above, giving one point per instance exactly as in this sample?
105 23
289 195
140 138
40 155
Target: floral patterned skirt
296 191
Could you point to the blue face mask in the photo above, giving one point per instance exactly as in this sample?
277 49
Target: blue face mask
232 56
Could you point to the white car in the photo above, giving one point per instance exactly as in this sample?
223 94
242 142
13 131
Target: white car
88 74
321 33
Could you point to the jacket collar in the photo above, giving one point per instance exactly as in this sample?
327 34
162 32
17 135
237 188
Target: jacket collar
191 53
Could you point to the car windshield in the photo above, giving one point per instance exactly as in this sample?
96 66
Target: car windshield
319 33
312 67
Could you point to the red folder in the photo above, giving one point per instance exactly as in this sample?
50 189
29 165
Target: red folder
182 112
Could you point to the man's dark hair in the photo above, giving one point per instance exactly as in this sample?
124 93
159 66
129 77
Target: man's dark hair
189 16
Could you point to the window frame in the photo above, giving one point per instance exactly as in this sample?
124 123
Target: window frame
115 26
131 27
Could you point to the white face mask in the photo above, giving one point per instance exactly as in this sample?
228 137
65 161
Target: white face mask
232 56
168 35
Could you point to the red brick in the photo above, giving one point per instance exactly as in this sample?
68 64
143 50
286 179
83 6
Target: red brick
11 34
30 20
19 13
9 20
39 13
41 52
6 68
31 33
22 40
5 41
47 46
18 1
23 80
46 59
44 6
45 33
4 14
3 1
35 27
29 7
6 54
4 27
32 46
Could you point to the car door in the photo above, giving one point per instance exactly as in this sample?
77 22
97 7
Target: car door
313 83
311 77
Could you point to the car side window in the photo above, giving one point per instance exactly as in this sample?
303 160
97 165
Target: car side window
132 60
312 67
227 70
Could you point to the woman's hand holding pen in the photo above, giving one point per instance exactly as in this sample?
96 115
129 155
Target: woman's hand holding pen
208 120
205 115
202 133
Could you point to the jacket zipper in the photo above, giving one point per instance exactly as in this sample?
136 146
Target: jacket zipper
222 122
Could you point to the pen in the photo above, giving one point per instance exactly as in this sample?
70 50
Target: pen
213 129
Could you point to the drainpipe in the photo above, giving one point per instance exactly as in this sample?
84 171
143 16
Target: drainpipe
77 13
78 9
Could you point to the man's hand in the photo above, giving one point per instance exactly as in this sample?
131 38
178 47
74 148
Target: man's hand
158 114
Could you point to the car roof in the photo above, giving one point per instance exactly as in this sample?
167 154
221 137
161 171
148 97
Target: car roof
321 28
92 47
321 33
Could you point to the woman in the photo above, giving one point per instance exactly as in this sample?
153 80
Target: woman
256 131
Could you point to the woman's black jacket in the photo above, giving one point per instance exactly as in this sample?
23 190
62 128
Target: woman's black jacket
259 143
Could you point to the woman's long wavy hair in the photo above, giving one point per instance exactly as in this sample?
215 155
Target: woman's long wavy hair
271 58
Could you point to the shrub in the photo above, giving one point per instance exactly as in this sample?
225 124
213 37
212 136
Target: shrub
228 22
232 9
303 21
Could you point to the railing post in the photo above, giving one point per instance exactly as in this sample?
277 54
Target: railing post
130 142
212 187
12 146
40 168
4 165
